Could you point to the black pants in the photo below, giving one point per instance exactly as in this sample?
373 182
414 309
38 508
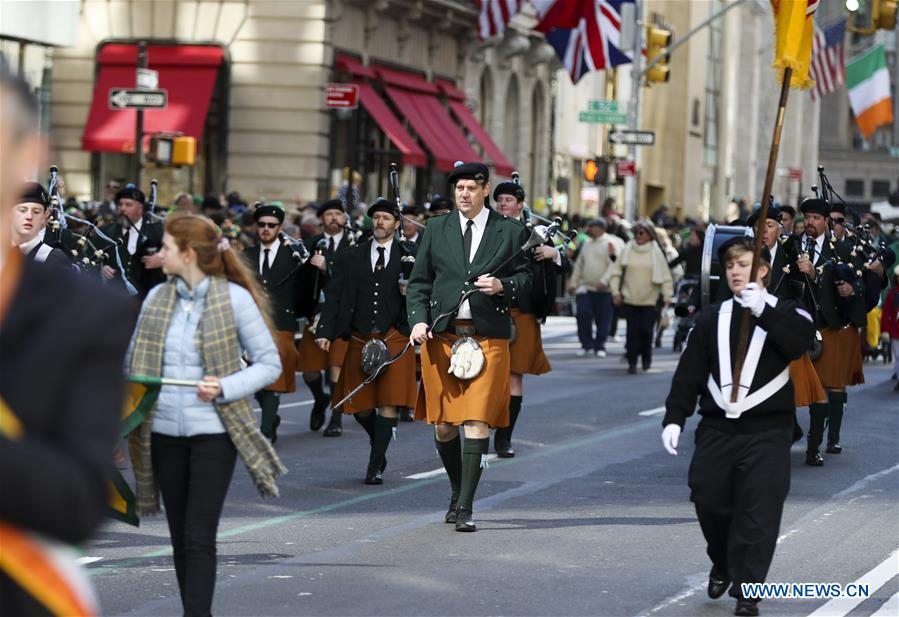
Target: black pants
739 483
641 322
193 474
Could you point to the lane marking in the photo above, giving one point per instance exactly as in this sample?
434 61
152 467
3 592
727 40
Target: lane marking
288 405
438 472
875 578
656 411
83 561
890 608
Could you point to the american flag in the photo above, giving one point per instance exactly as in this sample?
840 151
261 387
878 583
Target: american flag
828 66
493 15
584 33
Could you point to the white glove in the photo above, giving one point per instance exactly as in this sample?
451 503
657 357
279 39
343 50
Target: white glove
753 298
670 435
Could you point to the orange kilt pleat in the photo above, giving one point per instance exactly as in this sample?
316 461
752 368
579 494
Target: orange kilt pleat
807 388
338 351
840 364
527 348
313 359
444 399
394 387
287 350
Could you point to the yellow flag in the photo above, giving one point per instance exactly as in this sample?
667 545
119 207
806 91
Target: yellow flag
794 32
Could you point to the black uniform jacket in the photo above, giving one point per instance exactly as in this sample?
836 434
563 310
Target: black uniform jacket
789 334
149 241
440 275
54 479
53 257
542 299
357 299
821 296
284 285
315 283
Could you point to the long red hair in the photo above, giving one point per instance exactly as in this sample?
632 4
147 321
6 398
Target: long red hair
203 236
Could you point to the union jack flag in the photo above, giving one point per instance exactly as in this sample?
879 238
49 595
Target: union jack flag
828 67
585 33
493 15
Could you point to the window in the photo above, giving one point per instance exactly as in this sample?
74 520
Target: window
855 188
712 91
880 188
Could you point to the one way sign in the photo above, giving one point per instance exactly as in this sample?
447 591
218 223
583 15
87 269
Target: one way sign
127 98
636 138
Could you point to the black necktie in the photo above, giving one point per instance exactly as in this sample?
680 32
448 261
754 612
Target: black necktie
466 241
379 265
266 268
331 244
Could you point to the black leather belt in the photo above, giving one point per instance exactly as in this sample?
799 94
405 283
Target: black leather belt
462 330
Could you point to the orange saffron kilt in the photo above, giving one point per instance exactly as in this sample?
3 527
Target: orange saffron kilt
394 387
313 359
527 347
807 388
840 364
445 399
287 350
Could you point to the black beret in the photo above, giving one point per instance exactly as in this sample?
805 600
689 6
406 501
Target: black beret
131 192
34 193
469 171
838 207
508 188
441 203
331 204
746 241
774 213
785 209
268 210
382 205
815 205
411 210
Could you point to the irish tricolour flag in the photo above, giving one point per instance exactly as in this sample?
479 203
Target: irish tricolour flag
868 82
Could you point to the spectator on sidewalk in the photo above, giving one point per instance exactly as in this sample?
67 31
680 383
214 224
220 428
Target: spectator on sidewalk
589 283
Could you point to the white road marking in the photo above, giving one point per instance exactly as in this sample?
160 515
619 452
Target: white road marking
531 444
890 608
288 405
652 412
83 561
875 579
436 472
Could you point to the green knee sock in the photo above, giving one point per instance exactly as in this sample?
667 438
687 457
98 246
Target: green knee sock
836 406
473 451
367 421
451 456
269 402
381 439
316 386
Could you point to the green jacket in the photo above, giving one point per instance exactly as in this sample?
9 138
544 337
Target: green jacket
440 275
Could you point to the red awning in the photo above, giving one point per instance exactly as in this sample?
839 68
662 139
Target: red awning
409 81
351 65
404 142
434 126
503 165
187 72
450 90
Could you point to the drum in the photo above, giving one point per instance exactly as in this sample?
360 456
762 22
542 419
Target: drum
712 270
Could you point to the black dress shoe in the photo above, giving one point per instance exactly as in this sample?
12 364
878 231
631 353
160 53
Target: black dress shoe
632 369
406 414
335 426
503 444
746 607
814 459
464 521
718 584
317 418
834 448
275 429
451 513
373 475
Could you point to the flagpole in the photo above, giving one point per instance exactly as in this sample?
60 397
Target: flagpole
743 340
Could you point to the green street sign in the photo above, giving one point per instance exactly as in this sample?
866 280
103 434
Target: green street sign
602 117
597 105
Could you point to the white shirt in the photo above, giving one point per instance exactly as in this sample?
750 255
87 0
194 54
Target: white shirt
819 245
374 252
273 251
477 232
337 238
413 238
27 247
133 235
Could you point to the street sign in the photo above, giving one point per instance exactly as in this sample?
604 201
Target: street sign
342 96
611 106
131 98
147 79
626 168
602 117
636 138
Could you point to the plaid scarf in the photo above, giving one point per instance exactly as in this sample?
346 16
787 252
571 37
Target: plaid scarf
220 353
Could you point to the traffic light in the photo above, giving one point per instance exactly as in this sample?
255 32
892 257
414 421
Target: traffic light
884 14
868 16
590 170
658 39
598 170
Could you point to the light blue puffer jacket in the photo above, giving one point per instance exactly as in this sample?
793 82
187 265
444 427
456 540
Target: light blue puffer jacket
179 413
